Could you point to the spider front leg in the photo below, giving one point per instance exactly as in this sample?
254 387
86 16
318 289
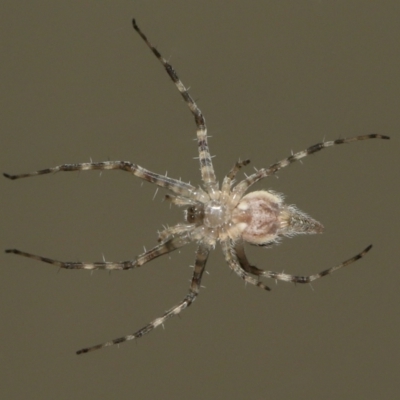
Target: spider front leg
201 259
177 229
157 251
308 279
206 166
174 185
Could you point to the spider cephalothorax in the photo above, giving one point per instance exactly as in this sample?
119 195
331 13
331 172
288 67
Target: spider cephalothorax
224 215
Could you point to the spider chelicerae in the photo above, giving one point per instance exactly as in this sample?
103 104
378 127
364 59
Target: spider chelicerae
213 213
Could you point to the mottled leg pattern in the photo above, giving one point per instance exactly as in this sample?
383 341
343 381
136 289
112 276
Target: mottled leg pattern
241 187
178 229
234 264
228 180
157 251
176 186
207 169
307 279
201 259
243 261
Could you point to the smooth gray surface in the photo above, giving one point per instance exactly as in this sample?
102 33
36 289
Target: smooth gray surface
78 83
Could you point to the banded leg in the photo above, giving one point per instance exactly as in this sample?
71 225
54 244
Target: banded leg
174 185
178 229
201 259
207 169
157 251
241 187
307 279
235 266
179 200
227 182
243 261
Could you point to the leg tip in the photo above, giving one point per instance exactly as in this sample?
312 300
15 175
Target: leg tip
368 248
8 175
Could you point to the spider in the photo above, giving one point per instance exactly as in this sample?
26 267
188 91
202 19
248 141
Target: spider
213 213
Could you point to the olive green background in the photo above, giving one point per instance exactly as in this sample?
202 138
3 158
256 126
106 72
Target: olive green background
77 83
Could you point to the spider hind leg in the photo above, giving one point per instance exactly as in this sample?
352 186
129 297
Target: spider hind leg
200 264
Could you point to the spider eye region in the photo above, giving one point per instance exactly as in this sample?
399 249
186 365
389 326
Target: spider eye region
194 214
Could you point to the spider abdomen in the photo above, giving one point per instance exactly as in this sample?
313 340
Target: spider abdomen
257 217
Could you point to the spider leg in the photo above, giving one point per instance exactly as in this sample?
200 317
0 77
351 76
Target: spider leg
307 279
233 262
241 187
163 248
177 229
243 261
174 185
207 169
179 200
227 182
201 259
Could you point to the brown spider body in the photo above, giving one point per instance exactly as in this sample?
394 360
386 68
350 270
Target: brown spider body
263 218
224 215
260 218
